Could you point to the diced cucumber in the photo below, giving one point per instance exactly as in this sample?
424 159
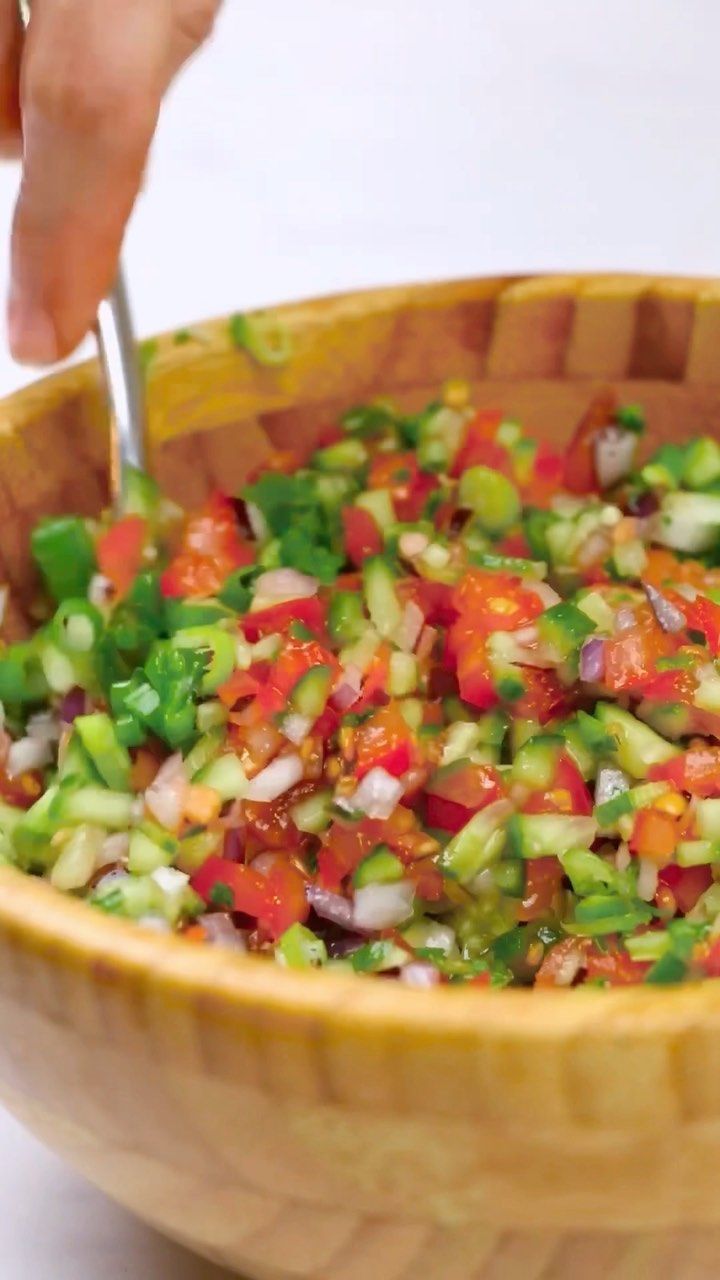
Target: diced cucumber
300 948
77 859
460 739
597 609
185 615
194 850
346 455
145 856
440 432
562 628
379 867
431 935
111 809
211 715
544 835
497 563
509 876
702 463
32 834
381 596
76 764
412 711
346 617
98 736
689 522
205 749
535 764
665 469
695 853
629 559
493 498
637 746
403 674
478 844
630 801
141 494
313 814
708 819
588 873
379 504
309 696
707 694
226 776
669 719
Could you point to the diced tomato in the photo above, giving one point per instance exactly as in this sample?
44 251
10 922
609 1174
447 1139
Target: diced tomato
271 823
211 549
490 602
655 835
545 479
362 535
343 848
411 506
295 659
615 967
631 656
433 598
285 900
696 771
565 956
428 881
23 791
474 676
709 959
676 684
242 684
704 615
543 877
280 461
385 741
119 552
545 698
277 618
456 793
480 431
247 888
375 682
686 884
579 472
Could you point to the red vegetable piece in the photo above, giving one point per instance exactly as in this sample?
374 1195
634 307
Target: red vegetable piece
119 552
362 535
579 474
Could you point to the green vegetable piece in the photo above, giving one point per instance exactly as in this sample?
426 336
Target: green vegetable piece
498 563
310 694
206 748
76 626
346 455
376 957
346 617
145 856
637 747
702 463
383 604
300 948
535 763
263 336
380 867
563 628
65 555
182 615
367 421
141 496
99 807
33 833
215 646
98 736
588 873
602 914
22 678
544 835
665 468
313 814
226 776
631 417
478 844
536 523
493 498
236 592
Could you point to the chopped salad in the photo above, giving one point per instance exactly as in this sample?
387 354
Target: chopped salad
431 701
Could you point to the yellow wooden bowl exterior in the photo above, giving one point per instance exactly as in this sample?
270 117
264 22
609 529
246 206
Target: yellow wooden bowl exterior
336 1128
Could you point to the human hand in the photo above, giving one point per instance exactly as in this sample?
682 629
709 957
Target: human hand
84 90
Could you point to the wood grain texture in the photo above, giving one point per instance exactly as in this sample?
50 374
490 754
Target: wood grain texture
327 1128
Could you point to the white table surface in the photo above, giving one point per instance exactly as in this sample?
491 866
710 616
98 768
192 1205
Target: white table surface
326 144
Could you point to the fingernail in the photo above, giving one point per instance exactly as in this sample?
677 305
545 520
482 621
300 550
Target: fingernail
31 333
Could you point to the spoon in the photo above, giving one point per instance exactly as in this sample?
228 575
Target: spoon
121 371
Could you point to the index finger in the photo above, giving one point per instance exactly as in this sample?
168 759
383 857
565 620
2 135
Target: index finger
92 81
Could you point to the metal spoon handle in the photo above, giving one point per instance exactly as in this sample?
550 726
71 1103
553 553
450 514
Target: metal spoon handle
123 383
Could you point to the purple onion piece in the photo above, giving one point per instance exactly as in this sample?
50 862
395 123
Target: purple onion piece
72 705
643 505
592 660
669 617
330 906
233 850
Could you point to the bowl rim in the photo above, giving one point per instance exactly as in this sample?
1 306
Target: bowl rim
54 926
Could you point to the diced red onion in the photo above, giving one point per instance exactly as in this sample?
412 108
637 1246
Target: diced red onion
382 906
74 704
592 660
296 727
624 618
420 974
647 881
614 455
413 543
411 624
113 849
27 753
610 782
349 688
543 591
165 797
426 643
285 584
377 795
222 932
643 504
44 727
233 848
669 617
277 778
330 906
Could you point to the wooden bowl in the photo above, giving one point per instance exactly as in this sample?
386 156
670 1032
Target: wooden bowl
319 1126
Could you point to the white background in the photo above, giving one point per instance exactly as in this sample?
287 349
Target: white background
321 144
